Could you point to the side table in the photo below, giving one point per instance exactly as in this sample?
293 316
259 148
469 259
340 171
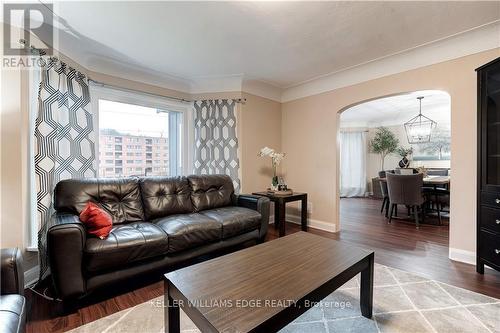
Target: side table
279 208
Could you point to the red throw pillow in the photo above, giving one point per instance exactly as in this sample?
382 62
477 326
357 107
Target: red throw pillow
96 220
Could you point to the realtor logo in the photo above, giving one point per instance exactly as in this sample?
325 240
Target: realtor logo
30 18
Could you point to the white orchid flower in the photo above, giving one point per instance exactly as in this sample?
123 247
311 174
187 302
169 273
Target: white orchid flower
266 151
275 156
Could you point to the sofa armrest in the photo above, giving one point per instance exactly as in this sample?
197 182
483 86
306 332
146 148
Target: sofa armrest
66 239
12 274
260 204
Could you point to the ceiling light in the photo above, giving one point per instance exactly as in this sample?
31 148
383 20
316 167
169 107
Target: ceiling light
419 128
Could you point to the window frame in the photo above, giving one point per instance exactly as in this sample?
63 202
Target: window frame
185 109
34 77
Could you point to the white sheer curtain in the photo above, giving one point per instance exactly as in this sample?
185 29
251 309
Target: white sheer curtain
352 164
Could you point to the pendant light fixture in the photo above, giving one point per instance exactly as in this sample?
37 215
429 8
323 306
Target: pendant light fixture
419 128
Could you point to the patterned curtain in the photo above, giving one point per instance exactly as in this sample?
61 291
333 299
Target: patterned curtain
64 139
216 143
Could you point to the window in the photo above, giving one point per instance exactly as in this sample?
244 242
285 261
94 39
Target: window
140 126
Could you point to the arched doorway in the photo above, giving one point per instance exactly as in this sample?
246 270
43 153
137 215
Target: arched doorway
358 163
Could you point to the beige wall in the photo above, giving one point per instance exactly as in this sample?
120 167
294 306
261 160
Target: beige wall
309 136
260 126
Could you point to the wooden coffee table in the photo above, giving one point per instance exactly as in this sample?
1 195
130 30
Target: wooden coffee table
265 287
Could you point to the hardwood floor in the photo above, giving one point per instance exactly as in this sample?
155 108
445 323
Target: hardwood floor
399 245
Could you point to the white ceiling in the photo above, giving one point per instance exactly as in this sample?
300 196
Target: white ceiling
280 43
396 110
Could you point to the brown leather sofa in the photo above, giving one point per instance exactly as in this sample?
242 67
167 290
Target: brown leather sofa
12 301
157 222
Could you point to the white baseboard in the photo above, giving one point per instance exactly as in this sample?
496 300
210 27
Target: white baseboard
467 257
31 276
316 224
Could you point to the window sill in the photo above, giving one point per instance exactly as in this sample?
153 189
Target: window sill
32 249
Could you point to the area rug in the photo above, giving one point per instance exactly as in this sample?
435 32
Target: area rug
403 303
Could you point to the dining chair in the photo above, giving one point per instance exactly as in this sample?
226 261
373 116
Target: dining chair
405 171
438 195
406 190
385 195
437 172
437 199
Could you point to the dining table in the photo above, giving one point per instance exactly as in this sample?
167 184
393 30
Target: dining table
431 180
435 182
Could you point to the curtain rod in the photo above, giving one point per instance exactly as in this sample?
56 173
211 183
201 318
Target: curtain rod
237 100
137 91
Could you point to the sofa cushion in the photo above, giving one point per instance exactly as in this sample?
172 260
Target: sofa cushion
126 243
12 313
164 196
72 195
121 197
189 230
211 191
235 220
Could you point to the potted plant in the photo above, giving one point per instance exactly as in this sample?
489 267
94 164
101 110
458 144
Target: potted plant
384 143
276 159
405 154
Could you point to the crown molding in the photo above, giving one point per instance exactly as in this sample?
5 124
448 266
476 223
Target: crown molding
232 83
136 73
212 84
193 86
466 43
262 89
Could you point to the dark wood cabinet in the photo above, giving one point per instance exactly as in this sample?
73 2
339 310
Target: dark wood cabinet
488 196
